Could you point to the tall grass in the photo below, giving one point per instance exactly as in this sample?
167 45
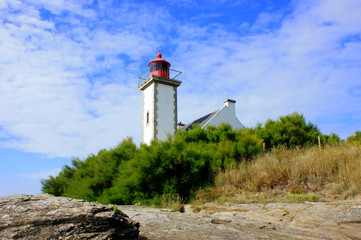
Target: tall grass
332 172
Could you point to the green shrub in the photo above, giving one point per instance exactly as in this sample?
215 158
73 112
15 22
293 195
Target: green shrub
301 197
151 174
355 139
290 130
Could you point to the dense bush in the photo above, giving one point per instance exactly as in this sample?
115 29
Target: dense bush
89 178
178 166
355 139
288 131
163 168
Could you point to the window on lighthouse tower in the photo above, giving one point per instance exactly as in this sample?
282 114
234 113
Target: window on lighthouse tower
159 69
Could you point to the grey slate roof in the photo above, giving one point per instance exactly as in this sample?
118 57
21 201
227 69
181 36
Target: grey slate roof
201 121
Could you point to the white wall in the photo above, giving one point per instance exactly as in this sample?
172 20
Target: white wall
226 115
166 108
148 106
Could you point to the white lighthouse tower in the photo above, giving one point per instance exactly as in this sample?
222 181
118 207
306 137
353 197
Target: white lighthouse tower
159 102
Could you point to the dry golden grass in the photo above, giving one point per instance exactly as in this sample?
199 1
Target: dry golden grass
333 172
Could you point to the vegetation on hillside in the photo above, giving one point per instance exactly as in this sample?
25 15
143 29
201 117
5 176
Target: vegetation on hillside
215 163
355 139
178 166
291 174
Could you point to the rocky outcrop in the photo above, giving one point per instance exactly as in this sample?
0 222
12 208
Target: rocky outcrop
310 220
45 217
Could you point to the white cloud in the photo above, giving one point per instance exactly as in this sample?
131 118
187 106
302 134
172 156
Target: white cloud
42 175
302 66
59 6
265 20
68 83
48 104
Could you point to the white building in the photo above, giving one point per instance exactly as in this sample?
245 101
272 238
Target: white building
159 116
226 114
159 102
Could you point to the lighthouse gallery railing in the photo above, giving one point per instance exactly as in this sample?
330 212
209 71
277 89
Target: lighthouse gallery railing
173 75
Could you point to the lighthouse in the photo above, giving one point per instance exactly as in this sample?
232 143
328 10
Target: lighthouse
159 115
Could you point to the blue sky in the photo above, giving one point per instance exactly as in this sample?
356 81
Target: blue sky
68 71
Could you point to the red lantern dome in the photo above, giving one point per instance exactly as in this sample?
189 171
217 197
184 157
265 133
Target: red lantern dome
159 67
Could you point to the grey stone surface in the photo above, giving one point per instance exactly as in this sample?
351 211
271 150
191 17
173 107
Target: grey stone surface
333 220
45 217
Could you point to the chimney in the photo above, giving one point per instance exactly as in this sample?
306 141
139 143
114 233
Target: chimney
231 104
180 125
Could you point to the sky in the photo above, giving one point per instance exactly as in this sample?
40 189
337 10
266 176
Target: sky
69 71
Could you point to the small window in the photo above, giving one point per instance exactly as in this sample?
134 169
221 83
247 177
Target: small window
147 117
164 67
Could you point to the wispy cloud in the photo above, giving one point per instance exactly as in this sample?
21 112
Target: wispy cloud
304 65
68 70
64 86
42 175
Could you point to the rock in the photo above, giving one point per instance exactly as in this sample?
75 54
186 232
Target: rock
45 217
320 220
350 222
